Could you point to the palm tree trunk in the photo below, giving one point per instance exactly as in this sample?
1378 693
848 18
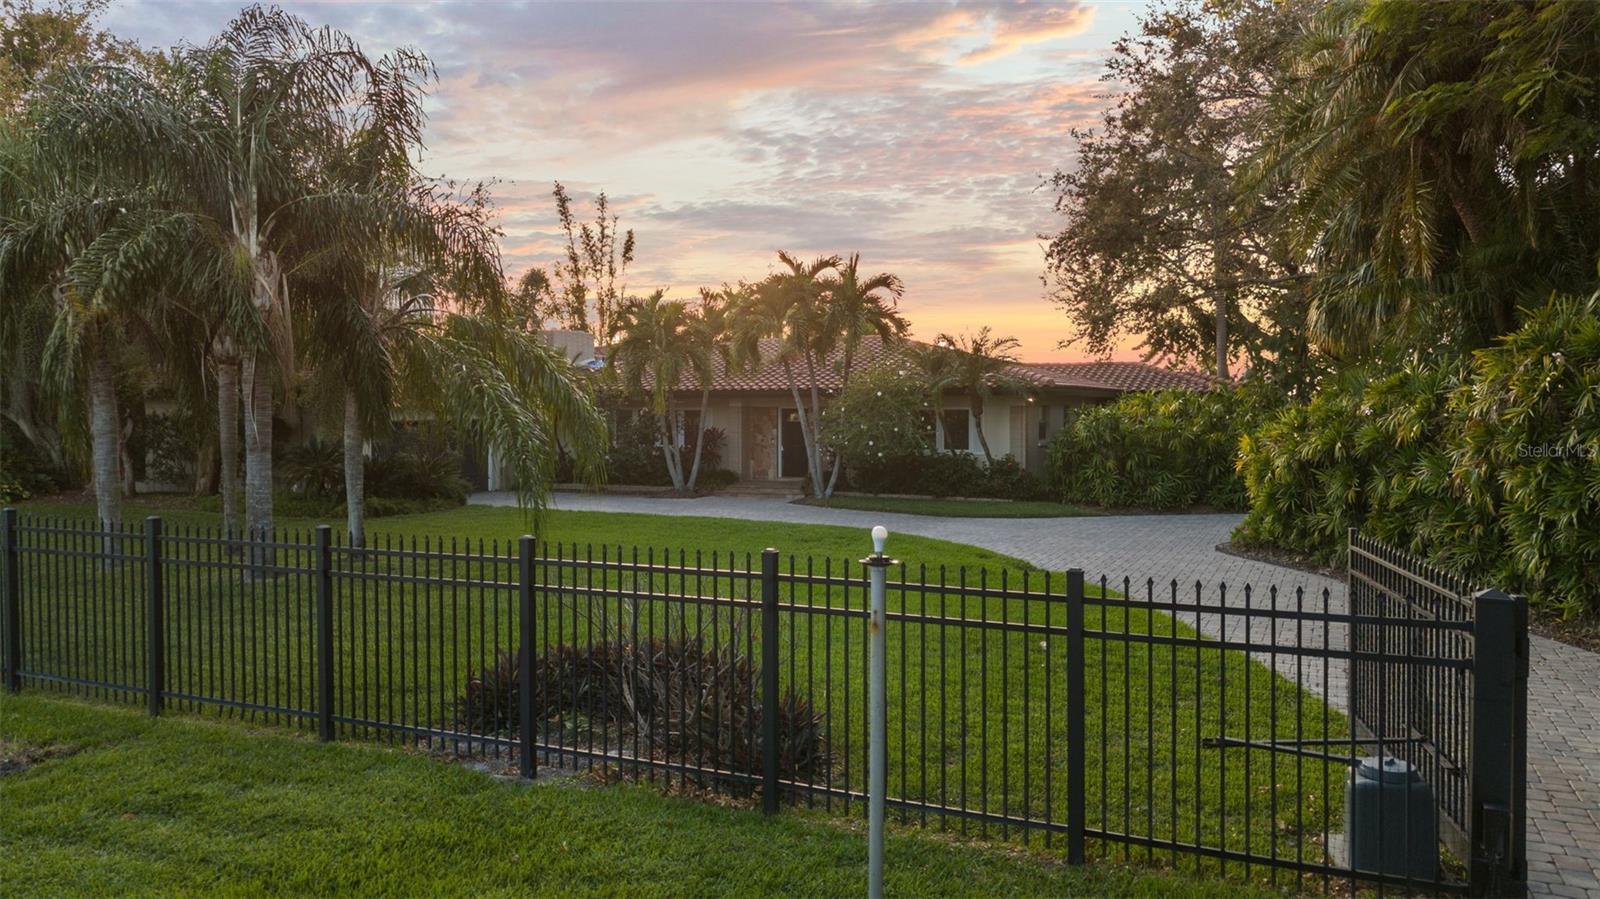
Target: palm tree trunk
258 457
355 493
844 384
814 447
805 431
699 439
983 441
669 453
228 441
103 432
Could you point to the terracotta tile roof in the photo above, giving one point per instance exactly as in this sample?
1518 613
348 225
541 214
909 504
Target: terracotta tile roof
1122 376
1109 376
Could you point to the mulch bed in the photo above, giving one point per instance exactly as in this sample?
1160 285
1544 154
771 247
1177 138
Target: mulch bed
1282 558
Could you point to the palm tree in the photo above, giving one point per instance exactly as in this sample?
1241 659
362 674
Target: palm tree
979 365
790 306
855 307
59 221
654 346
708 344
233 136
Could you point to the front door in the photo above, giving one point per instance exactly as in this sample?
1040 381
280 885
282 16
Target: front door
792 445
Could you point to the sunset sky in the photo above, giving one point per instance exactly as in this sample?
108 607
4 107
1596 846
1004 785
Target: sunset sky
918 134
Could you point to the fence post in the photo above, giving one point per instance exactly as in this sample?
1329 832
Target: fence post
324 633
155 650
1076 748
1499 743
877 709
12 584
769 681
527 766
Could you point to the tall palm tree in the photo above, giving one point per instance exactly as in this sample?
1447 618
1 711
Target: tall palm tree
654 346
234 136
790 306
979 365
855 307
708 337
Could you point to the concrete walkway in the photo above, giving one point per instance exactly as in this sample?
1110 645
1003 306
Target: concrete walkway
1563 683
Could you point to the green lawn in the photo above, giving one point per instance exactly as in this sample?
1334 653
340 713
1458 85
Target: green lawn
971 722
955 508
115 803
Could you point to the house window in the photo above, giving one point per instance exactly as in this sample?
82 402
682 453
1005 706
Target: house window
690 428
954 425
1044 422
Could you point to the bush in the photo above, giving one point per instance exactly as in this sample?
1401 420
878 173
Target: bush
427 471
946 474
295 505
1168 449
678 697
313 469
171 443
879 419
1489 467
23 471
635 456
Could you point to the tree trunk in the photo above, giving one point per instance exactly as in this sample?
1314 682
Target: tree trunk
130 472
355 492
814 448
669 452
805 432
1219 273
104 424
228 441
983 441
844 384
699 439
258 458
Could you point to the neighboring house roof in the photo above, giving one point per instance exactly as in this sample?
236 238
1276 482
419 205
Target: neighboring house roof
1120 376
1116 377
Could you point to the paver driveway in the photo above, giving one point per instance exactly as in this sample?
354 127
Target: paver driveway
1563 682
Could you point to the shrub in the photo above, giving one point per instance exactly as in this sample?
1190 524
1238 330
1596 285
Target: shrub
635 456
878 421
23 471
313 469
947 474
678 697
1490 466
171 443
1167 449
430 471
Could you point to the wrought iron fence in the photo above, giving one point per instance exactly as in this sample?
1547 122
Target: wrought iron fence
1195 727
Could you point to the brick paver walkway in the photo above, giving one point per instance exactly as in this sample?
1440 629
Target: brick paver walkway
1563 683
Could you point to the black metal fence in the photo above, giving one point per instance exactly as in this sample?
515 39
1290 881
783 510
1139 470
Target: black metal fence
1178 726
1464 727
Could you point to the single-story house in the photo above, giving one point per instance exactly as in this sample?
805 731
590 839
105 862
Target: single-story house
756 410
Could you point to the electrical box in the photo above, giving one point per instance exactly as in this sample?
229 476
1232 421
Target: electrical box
1389 820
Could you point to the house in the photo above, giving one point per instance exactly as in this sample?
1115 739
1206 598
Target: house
756 409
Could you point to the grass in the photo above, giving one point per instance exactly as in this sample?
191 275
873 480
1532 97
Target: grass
971 719
956 508
117 803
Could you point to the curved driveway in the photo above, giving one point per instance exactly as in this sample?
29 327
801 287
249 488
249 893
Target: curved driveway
1563 682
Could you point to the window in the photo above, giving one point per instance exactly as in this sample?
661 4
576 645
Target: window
954 425
1044 422
689 434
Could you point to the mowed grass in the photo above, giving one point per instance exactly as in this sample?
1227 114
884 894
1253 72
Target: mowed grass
977 714
115 803
956 508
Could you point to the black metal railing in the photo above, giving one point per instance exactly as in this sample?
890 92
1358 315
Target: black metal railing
1196 727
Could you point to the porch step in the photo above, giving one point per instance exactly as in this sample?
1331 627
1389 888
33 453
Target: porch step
764 488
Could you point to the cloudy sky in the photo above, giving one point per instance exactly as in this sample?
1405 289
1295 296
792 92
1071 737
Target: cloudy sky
917 133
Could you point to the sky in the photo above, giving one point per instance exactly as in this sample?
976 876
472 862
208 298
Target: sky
917 134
